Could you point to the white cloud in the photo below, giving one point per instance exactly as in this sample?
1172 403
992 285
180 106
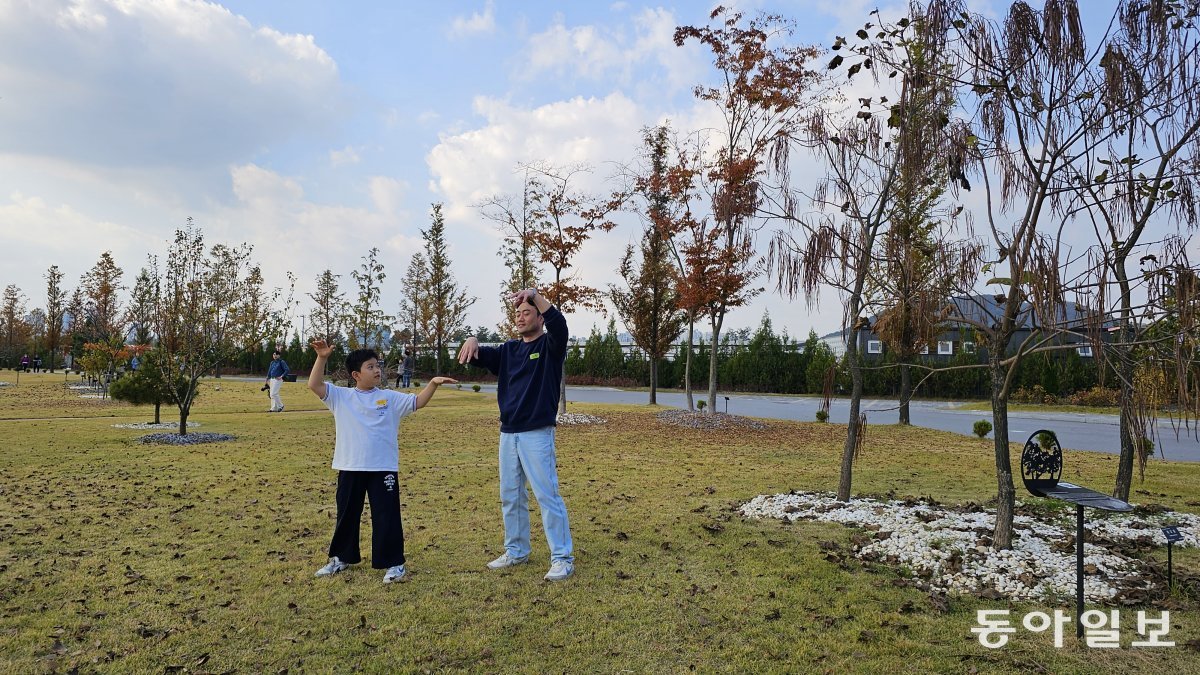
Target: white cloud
596 52
347 155
387 194
39 233
152 82
465 26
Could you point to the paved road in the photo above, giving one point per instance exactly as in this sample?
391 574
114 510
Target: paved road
1079 431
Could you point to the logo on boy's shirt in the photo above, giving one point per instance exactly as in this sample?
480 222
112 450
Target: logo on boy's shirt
390 481
535 355
381 406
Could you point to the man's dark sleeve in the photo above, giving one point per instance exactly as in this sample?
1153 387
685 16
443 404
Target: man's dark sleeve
556 328
489 357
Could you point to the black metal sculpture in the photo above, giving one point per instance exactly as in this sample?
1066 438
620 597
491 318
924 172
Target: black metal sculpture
1041 468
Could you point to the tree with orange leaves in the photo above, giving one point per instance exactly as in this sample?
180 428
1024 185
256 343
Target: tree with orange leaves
762 94
567 218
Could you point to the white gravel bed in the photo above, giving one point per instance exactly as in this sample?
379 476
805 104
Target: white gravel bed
580 418
152 425
950 552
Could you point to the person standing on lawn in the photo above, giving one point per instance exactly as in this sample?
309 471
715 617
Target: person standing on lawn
366 455
275 373
528 371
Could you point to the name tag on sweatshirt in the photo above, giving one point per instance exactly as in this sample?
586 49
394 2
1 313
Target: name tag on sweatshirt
534 355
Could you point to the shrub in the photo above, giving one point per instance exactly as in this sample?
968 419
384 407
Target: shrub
475 388
822 415
1149 445
700 404
1036 394
1096 396
982 428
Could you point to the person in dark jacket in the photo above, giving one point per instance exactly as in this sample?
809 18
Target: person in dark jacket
528 371
275 373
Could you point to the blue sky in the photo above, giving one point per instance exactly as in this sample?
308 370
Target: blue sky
316 130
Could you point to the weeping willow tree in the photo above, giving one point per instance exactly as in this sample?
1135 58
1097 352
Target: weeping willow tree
1044 108
924 253
886 168
1145 174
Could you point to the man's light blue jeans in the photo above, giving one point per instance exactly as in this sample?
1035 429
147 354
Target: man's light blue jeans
529 455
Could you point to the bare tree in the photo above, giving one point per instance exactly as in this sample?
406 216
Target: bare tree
880 178
1042 104
1145 173
515 217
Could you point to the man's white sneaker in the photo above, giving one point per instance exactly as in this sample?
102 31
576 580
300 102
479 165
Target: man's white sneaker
334 566
560 570
396 573
506 560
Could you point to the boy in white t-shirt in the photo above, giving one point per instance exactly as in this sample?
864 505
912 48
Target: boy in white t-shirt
366 455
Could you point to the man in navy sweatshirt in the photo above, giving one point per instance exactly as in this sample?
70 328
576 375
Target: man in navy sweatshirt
529 370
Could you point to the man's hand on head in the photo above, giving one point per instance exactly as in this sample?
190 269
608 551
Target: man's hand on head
524 295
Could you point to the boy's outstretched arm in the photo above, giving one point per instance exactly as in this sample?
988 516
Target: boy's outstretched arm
428 391
316 378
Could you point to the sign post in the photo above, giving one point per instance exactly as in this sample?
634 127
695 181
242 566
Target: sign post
1172 534
1041 468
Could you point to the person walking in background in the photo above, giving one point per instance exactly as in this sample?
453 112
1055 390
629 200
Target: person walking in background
528 371
275 373
37 363
406 369
24 363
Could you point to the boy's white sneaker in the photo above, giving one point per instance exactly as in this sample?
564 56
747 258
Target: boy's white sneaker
334 566
560 570
393 574
506 560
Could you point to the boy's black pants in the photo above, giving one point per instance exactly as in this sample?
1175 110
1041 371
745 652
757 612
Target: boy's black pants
387 533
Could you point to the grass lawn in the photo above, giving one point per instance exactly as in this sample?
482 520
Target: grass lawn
986 406
118 556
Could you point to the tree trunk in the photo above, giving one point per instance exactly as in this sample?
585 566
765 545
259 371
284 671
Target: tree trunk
687 363
653 381
562 394
905 392
1126 397
712 362
1125 463
1006 493
157 412
846 474
183 415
